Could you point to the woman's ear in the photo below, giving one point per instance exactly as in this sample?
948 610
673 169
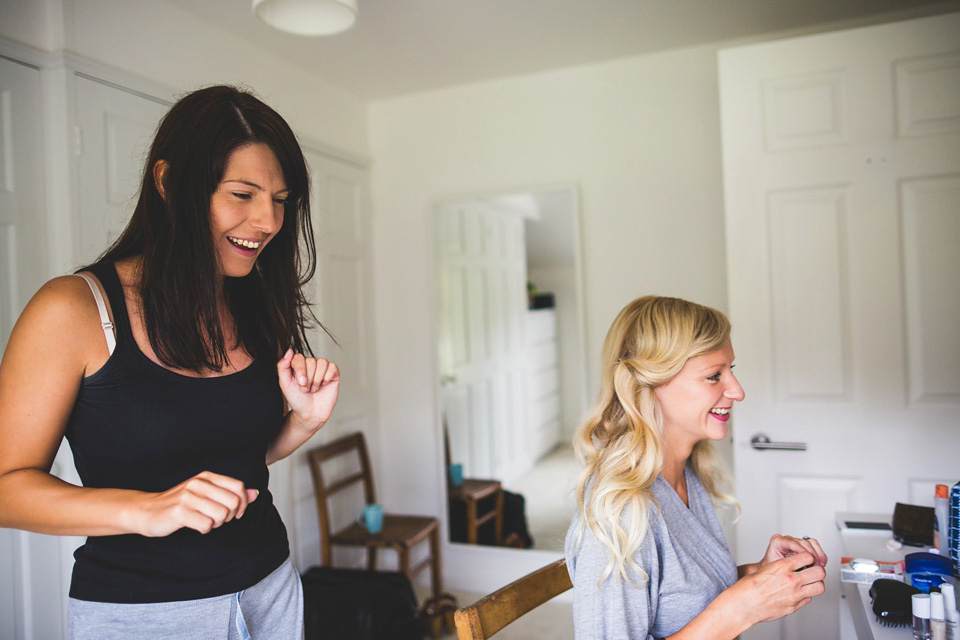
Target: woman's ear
159 173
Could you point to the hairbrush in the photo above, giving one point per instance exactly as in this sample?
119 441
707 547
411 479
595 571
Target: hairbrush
891 602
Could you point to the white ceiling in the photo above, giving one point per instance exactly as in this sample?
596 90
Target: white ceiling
404 46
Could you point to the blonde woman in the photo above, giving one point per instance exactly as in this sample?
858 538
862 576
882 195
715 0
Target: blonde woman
645 550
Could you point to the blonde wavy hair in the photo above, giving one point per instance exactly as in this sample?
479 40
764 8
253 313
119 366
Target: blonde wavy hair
621 442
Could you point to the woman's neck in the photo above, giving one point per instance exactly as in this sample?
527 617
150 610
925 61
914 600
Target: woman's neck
673 471
128 269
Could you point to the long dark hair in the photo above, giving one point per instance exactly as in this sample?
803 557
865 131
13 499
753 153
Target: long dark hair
178 282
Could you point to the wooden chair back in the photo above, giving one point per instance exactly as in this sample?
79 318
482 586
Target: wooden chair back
353 444
492 613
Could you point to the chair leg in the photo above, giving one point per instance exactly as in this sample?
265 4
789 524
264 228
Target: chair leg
371 558
438 615
436 568
403 560
432 617
448 607
498 534
471 521
438 610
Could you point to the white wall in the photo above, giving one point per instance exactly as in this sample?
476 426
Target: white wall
641 138
38 23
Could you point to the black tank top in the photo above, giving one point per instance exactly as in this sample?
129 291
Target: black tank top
137 425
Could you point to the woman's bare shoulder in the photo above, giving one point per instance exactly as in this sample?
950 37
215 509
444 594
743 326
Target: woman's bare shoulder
59 295
62 318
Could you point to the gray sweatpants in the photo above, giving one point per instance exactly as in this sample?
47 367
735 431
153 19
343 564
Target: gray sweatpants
272 609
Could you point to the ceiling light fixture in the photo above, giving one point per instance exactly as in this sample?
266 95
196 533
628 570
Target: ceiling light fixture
307 17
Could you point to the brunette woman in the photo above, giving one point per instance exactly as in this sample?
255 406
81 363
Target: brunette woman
178 368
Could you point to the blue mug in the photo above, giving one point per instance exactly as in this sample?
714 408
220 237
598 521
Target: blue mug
456 474
371 517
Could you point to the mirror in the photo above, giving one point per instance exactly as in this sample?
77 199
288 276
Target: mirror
511 346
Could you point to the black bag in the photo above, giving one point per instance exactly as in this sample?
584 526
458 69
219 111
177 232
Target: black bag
356 604
515 531
913 524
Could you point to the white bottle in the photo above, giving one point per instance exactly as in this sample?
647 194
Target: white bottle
950 614
938 627
920 603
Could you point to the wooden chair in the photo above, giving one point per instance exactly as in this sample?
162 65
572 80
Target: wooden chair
471 492
492 613
400 532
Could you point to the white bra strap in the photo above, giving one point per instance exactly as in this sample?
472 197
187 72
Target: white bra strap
104 317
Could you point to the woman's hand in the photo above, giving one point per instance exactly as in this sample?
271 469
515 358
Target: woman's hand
784 546
203 503
778 588
310 387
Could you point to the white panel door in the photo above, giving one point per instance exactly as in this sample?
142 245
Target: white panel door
842 187
22 215
482 282
341 297
114 132
341 288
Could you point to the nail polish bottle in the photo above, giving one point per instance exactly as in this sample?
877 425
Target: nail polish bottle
921 616
938 627
951 617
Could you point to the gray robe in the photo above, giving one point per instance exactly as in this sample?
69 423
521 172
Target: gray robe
684 554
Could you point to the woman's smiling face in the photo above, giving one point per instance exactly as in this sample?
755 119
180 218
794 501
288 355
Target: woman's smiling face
696 403
246 210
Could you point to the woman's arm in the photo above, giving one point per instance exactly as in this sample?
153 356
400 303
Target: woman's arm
310 387
772 591
56 342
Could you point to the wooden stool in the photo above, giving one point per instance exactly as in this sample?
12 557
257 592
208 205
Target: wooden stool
471 492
